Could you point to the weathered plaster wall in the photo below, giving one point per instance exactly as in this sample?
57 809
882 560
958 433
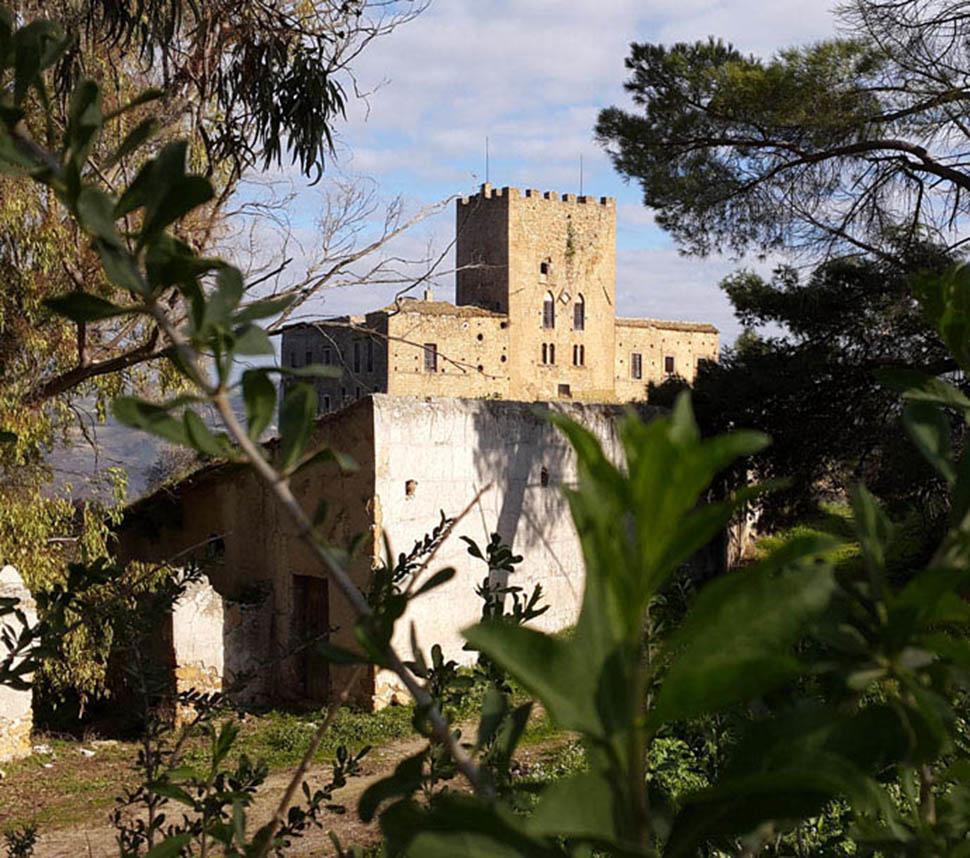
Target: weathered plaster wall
451 449
16 712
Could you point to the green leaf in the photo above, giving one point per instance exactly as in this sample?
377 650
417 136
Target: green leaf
440 578
120 268
170 847
259 395
228 293
739 806
134 139
737 640
407 778
95 212
84 307
202 438
252 340
139 414
874 531
930 430
917 386
262 309
583 806
144 97
545 667
297 416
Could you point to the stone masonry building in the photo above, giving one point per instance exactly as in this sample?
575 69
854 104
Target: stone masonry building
534 317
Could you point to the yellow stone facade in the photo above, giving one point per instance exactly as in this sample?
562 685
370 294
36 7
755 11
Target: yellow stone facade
534 317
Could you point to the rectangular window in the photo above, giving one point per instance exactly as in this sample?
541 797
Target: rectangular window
293 360
358 394
549 313
309 357
357 356
579 355
636 365
326 357
430 357
552 352
370 355
326 404
669 364
565 391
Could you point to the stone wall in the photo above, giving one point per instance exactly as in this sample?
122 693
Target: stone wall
16 712
472 351
654 341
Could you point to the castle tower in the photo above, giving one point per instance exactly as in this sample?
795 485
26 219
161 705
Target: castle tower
550 265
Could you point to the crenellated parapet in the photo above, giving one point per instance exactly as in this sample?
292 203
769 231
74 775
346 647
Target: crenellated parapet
487 193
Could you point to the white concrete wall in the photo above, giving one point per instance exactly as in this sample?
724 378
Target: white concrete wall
453 448
16 712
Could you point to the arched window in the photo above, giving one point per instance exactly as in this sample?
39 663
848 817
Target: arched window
549 311
545 353
579 314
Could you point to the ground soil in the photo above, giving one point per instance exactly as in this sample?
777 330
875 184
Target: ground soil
70 801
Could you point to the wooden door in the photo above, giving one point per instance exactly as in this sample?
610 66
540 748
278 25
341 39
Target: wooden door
311 602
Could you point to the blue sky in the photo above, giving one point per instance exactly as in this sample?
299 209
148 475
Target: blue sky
532 76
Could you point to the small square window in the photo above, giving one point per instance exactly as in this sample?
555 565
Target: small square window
544 269
565 391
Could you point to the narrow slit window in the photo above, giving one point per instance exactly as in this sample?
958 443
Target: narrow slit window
669 364
370 355
430 357
636 365
357 356
552 353
545 353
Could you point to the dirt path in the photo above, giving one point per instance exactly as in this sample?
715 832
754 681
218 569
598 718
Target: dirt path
98 840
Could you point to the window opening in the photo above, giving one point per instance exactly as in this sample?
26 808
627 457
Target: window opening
636 365
549 311
430 357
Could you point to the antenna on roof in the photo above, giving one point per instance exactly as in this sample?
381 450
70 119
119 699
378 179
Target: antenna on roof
580 174
486 159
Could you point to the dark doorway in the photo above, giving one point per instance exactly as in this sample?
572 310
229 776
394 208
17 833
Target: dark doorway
311 603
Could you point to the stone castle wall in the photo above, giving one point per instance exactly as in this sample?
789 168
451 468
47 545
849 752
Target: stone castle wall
687 344
472 352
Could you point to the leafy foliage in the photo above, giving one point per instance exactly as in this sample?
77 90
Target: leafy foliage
854 142
811 385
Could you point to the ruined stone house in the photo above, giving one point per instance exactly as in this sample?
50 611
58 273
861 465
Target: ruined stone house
534 317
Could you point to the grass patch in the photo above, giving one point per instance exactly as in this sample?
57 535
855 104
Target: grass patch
835 520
